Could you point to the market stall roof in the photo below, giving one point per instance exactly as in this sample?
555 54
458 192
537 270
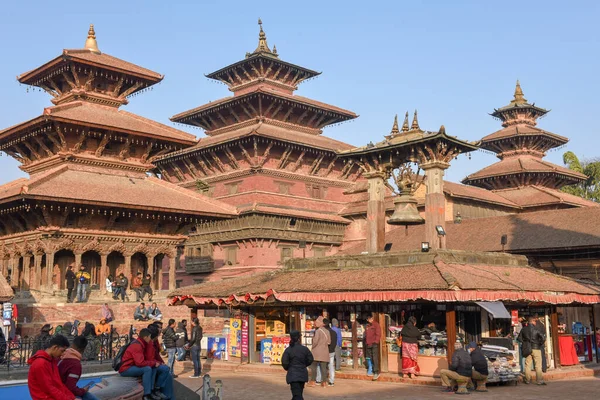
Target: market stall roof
441 275
495 308
6 292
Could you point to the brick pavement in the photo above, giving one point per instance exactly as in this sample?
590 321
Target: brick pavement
273 387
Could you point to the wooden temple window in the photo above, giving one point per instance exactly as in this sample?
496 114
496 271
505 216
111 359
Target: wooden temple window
231 255
286 253
319 251
316 191
232 188
284 187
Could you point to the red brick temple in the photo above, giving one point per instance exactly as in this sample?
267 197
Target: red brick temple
89 198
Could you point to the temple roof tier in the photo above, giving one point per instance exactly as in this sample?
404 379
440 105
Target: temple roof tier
261 103
94 187
519 111
523 170
91 74
528 138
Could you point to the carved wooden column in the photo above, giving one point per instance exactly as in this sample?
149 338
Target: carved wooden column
26 278
103 271
128 273
36 281
376 212
13 263
4 263
435 203
450 330
50 271
172 270
77 261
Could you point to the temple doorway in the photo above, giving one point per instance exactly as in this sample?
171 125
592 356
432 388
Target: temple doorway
42 280
139 263
157 271
92 262
63 259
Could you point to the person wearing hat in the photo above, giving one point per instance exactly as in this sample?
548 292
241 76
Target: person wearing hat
40 341
459 372
296 358
480 367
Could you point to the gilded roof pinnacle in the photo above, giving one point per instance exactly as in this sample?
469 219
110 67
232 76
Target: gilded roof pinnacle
91 44
442 130
395 129
263 47
405 127
415 122
519 96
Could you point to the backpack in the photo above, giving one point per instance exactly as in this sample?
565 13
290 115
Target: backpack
118 359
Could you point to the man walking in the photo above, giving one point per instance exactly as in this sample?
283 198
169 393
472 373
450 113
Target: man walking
195 346
70 278
373 337
83 283
332 346
169 339
532 339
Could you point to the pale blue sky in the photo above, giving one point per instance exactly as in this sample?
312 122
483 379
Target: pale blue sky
454 61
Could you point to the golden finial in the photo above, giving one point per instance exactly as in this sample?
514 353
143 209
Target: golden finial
274 49
442 130
519 97
91 43
415 123
405 127
263 47
395 129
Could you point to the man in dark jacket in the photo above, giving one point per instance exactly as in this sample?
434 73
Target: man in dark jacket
332 346
69 368
195 346
480 367
532 339
296 358
169 340
70 278
146 288
460 370
182 340
372 339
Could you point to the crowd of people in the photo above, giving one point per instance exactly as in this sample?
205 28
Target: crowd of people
79 282
58 352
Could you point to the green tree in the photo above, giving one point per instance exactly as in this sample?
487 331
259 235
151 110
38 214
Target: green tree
590 188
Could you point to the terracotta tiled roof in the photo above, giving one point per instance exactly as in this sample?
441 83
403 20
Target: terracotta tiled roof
522 130
105 117
88 57
522 164
6 292
534 196
269 92
86 185
423 280
526 232
470 192
292 212
267 130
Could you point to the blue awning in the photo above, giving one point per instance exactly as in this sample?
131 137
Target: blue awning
495 308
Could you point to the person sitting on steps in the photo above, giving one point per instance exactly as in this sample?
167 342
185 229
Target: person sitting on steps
140 313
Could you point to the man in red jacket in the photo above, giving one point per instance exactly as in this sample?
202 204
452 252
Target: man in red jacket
44 379
135 364
69 368
373 337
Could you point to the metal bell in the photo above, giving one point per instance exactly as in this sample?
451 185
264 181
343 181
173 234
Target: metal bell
405 211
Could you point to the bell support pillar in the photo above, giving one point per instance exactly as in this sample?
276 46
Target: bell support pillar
375 212
435 203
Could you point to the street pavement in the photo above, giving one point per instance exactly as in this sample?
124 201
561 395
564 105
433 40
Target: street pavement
267 386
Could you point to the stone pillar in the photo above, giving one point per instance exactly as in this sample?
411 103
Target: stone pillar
149 264
172 269
50 272
37 272
435 203
103 271
128 272
26 272
77 261
4 263
375 212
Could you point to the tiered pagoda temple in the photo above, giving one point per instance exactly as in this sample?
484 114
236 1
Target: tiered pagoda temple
89 198
265 154
521 175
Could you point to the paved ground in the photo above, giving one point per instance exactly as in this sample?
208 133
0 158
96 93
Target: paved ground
237 386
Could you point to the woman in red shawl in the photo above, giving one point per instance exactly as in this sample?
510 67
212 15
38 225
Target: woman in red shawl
410 347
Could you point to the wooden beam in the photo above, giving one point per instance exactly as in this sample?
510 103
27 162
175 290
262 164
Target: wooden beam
131 89
246 154
80 142
32 151
231 157
118 86
102 145
265 155
450 330
43 146
69 80
298 162
277 72
49 91
285 156
75 75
